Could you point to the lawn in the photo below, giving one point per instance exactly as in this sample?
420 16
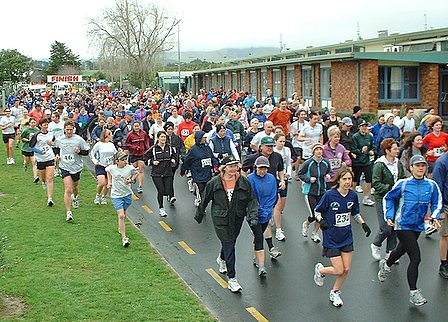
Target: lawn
57 271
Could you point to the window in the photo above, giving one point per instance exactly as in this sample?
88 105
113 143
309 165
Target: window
253 83
277 83
234 84
219 81
289 83
325 83
444 46
307 82
264 84
398 84
243 81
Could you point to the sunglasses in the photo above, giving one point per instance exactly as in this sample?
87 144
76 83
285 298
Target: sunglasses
123 158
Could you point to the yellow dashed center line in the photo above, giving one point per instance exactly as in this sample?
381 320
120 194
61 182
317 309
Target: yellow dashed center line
165 225
186 247
216 277
257 315
134 196
147 209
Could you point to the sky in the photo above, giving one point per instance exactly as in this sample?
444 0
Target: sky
32 26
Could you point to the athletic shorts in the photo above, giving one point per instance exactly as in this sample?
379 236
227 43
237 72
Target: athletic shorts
358 170
100 170
335 252
444 223
44 165
299 152
27 154
283 193
7 137
135 158
122 203
75 176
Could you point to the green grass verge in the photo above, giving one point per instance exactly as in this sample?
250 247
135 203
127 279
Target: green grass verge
79 271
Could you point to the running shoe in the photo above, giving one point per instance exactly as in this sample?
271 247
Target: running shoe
103 200
69 216
12 161
125 242
376 252
262 271
384 270
429 230
305 229
416 297
233 285
315 237
359 189
372 191
36 179
50 202
280 235
254 261
172 200
140 189
318 277
162 212
44 185
222 265
75 202
97 199
274 253
368 202
335 298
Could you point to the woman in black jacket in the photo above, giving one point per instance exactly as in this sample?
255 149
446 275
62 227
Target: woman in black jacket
163 158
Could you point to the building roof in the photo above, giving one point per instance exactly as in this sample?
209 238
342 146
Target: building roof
175 75
427 57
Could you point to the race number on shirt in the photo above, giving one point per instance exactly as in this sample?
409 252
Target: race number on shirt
342 220
335 163
206 162
237 136
185 132
68 158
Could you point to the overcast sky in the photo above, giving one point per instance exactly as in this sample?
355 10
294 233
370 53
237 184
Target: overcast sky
32 26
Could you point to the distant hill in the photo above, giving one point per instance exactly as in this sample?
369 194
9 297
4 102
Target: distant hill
220 55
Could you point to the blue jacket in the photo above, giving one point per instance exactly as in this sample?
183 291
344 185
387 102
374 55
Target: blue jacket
266 196
387 131
199 160
440 176
408 203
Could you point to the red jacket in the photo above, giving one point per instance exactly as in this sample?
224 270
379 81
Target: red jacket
137 144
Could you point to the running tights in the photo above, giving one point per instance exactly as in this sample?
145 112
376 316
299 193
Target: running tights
408 244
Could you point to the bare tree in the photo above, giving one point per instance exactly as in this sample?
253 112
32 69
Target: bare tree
132 31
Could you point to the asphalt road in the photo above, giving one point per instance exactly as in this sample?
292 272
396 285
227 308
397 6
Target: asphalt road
288 292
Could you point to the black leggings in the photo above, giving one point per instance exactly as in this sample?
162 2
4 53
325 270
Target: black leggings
164 186
408 244
258 231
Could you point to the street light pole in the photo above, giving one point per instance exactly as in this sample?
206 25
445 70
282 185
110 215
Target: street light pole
178 54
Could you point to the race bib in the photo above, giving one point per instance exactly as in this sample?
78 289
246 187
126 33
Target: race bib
206 162
335 163
437 152
260 125
109 160
185 132
342 220
237 136
68 158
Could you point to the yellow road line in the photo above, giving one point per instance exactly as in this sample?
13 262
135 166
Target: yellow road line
165 225
186 248
147 209
216 277
134 196
257 315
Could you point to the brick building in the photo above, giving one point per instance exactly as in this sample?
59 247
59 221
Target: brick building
380 73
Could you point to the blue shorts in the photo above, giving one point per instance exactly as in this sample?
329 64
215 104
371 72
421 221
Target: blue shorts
335 252
100 170
122 203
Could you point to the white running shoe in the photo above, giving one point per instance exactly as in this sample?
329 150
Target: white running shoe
262 271
125 242
222 265
376 252
335 298
305 229
44 185
416 297
315 237
50 202
162 212
172 200
280 235
69 216
75 202
274 253
384 270
103 200
359 189
368 202
97 199
233 285
318 277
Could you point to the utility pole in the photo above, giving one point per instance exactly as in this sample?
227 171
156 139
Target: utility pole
178 54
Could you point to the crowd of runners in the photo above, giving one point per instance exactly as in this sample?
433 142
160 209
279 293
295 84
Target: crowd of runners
234 150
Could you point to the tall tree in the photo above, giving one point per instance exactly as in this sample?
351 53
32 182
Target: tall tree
14 66
135 32
62 60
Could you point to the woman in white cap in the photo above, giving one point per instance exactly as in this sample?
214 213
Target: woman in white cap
413 196
388 130
314 172
232 199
